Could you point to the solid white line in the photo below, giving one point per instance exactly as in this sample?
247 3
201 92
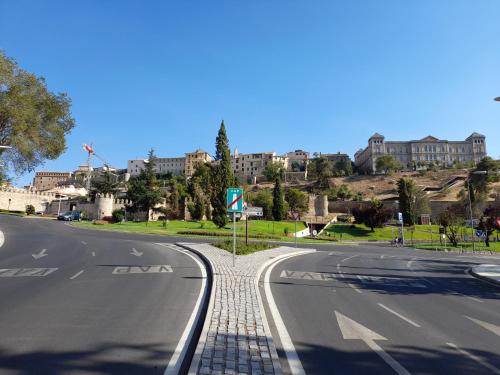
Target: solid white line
354 287
475 358
179 353
76 275
387 358
2 238
399 315
286 342
354 256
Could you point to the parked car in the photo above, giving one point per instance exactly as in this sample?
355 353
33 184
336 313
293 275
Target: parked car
70 216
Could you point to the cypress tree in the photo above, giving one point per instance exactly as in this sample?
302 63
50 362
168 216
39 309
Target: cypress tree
278 201
406 190
222 177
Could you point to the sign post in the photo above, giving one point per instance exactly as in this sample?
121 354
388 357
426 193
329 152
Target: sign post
234 203
296 217
400 218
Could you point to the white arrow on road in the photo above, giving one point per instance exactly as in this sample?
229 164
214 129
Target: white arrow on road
135 252
352 330
489 326
41 254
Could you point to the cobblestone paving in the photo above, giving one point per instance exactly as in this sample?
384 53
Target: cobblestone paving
237 341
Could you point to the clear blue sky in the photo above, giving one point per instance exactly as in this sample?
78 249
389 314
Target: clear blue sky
317 75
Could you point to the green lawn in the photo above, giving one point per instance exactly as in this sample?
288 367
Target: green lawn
256 228
241 247
479 246
360 232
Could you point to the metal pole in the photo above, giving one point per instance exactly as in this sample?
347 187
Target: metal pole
234 237
402 233
470 211
295 233
246 229
59 208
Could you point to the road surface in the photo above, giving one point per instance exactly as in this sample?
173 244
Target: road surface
376 310
76 301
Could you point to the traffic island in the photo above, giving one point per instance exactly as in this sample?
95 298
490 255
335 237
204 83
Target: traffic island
236 337
487 272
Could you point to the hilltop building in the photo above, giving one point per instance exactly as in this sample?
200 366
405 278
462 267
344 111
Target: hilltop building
428 149
45 180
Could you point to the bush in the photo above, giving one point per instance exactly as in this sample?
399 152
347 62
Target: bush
118 216
30 209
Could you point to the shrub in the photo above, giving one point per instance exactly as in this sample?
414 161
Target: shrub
118 216
30 209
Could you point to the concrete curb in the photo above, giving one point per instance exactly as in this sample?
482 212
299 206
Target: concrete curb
195 362
484 278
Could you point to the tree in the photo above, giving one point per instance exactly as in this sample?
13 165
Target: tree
412 201
103 185
343 167
221 177
451 220
480 183
144 191
274 170
33 120
373 216
343 192
387 164
298 201
199 190
264 199
279 210
321 169
488 223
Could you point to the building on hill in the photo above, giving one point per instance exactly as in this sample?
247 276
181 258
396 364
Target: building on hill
183 165
247 167
45 180
297 160
427 150
335 158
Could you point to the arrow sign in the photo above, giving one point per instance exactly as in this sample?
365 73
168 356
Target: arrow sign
352 330
489 326
41 254
135 252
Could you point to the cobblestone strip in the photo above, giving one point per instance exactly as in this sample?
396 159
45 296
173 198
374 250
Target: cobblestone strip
235 338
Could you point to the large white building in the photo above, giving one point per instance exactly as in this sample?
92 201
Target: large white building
428 149
248 166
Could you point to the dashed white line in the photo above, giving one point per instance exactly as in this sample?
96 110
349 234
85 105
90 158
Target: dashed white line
354 287
463 295
475 358
2 238
76 275
399 315
93 253
339 271
84 243
409 263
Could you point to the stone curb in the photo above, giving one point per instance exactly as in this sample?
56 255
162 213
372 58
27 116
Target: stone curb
487 279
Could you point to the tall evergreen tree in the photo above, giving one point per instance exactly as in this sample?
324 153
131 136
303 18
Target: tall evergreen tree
221 177
278 201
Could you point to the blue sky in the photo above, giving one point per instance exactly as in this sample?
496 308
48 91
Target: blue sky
318 75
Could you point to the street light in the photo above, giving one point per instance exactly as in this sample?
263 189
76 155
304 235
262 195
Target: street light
470 207
497 99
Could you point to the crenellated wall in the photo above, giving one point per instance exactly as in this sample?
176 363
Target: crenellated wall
18 199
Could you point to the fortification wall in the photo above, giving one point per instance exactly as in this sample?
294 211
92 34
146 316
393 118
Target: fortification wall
17 199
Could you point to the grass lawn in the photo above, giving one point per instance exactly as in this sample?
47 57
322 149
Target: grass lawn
361 232
256 228
241 247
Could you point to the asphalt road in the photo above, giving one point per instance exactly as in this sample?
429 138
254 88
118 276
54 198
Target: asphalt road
377 310
75 301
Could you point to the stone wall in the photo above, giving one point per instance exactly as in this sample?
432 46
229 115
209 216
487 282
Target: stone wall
18 199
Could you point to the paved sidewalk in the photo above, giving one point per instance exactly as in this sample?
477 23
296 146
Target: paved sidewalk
236 337
488 272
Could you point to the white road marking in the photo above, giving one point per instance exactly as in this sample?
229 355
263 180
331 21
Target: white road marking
339 271
304 275
24 272
93 253
400 316
409 263
125 270
354 287
135 252
352 330
84 243
174 365
286 342
463 295
346 259
41 254
489 326
335 253
2 238
76 275
382 256
475 358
